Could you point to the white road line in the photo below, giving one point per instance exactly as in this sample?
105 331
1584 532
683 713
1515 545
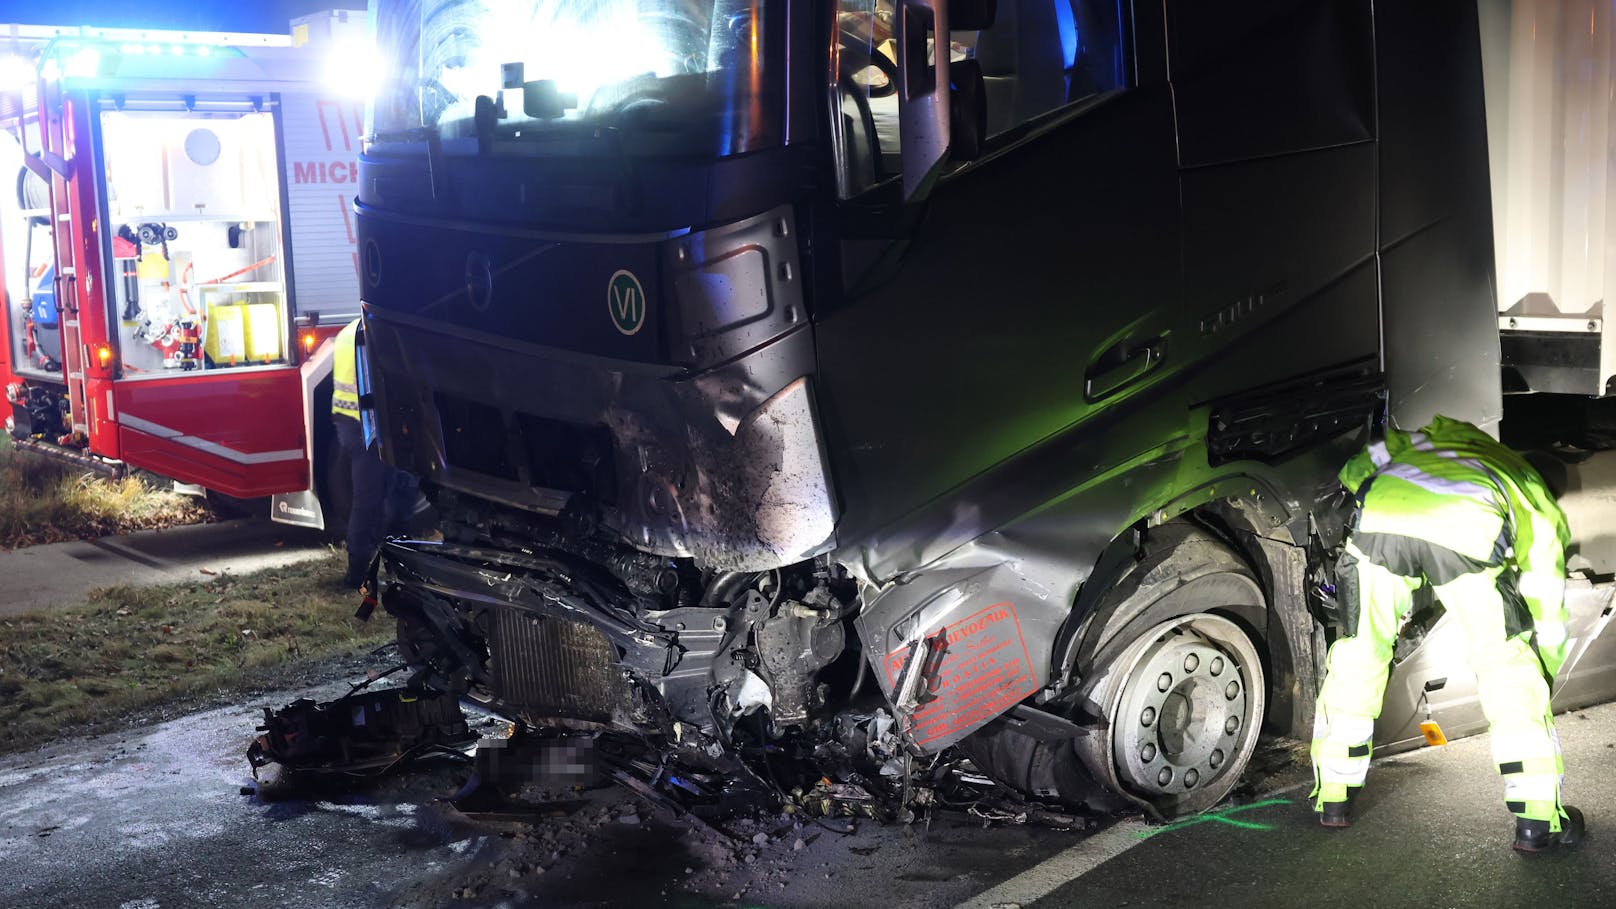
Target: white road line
1042 879
1064 867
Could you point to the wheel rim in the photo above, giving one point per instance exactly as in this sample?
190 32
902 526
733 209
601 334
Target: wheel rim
1187 708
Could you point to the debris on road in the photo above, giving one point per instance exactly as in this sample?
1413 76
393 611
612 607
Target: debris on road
370 731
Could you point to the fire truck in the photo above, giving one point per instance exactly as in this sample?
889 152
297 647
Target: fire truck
178 246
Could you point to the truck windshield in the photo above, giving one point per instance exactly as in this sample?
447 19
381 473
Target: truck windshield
670 77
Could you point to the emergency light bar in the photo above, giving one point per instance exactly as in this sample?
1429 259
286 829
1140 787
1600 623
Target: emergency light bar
44 34
79 58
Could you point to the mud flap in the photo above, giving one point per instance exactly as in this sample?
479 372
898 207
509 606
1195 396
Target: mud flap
300 509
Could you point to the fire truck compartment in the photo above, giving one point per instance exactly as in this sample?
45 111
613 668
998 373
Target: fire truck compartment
191 196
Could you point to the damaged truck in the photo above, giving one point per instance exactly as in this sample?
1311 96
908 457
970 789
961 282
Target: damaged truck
799 379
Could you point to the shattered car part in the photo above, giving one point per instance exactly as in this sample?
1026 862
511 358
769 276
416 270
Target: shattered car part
364 732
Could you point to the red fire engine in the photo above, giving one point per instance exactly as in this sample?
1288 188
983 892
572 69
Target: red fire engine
177 245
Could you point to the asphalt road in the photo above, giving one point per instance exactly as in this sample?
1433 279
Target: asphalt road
1431 831
154 819
59 574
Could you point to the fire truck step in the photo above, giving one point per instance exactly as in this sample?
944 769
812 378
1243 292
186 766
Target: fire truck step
79 459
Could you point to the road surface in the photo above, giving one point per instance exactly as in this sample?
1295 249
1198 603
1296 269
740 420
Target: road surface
154 819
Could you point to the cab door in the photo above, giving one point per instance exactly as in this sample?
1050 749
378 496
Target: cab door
1036 289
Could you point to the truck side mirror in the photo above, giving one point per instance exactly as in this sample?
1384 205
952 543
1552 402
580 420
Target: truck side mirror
967 110
923 114
942 106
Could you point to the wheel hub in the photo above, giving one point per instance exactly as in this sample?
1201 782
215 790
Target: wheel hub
1182 715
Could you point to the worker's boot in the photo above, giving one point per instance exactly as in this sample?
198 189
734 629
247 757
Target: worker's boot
1534 836
1337 814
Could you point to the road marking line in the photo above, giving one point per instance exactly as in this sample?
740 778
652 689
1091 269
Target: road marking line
1062 868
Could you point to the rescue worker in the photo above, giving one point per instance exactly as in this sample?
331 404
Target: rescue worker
1451 507
383 496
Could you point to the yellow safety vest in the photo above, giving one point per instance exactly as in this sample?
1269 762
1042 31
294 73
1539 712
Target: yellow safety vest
345 374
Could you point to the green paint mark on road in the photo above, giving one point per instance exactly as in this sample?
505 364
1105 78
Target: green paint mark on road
1223 816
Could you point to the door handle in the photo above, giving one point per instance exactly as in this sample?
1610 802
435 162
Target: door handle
1121 365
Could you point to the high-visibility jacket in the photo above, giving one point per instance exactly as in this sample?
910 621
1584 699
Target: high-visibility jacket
1451 484
345 374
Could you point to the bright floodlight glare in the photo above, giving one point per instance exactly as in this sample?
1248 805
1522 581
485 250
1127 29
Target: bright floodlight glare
84 62
15 73
355 68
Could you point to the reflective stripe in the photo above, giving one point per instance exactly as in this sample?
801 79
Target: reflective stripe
1351 773
1527 788
1550 634
1343 727
1378 454
207 445
1440 486
1341 747
1542 587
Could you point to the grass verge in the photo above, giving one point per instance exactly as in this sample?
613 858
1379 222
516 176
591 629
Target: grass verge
43 501
130 649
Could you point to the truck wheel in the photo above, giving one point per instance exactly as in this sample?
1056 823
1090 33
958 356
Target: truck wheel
1176 679
1184 704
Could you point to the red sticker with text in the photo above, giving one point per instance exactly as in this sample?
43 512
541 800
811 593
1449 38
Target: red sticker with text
985 671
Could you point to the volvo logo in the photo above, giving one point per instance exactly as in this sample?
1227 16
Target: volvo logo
479 281
625 300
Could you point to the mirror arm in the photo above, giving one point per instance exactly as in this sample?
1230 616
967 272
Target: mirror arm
923 108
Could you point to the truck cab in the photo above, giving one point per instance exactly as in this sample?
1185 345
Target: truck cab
989 362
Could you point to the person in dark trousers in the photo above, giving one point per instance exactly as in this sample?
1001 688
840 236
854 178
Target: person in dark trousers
1450 507
383 496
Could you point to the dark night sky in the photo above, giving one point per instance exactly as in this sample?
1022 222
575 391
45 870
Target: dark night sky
204 15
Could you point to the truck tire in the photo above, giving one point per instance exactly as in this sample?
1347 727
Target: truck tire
1174 674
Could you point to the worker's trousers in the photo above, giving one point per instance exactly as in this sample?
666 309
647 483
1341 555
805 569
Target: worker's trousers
383 498
1510 677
